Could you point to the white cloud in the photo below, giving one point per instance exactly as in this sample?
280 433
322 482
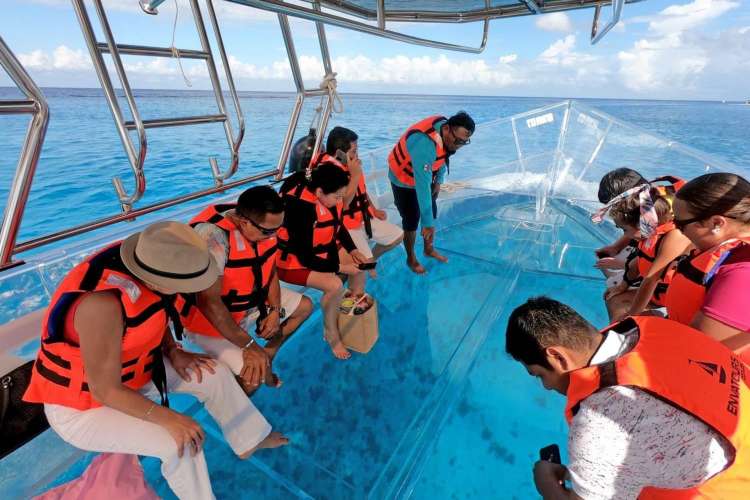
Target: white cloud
68 59
508 59
680 18
562 53
398 69
674 56
62 58
35 60
556 21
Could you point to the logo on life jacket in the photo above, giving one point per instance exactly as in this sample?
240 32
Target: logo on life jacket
738 375
711 369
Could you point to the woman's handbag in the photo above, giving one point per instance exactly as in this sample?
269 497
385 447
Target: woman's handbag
20 422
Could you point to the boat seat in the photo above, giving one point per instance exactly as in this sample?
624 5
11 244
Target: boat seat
15 335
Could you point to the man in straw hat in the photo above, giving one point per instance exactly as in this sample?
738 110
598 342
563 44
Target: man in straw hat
107 353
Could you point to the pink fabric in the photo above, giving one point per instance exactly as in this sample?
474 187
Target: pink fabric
110 476
728 300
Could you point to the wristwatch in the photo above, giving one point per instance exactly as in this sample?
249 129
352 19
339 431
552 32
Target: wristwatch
278 309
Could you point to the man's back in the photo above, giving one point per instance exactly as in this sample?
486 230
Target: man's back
623 439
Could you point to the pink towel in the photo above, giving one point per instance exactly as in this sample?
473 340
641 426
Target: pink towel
111 475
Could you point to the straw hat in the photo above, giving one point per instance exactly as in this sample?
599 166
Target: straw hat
170 255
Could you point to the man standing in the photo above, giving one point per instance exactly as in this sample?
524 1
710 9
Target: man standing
418 163
650 417
242 241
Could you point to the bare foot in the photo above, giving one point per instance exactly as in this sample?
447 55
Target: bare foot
435 255
415 266
340 351
273 440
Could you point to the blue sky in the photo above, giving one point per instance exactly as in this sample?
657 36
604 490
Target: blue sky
690 49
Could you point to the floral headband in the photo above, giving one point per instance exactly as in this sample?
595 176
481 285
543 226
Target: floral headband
648 220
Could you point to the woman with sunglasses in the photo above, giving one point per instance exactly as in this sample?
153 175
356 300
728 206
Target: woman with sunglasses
647 211
709 289
314 244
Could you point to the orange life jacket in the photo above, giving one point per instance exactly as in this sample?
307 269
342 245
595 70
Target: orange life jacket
692 276
325 231
645 255
247 274
359 212
692 372
674 184
58 376
399 160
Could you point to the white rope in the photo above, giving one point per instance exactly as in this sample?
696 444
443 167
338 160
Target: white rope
175 50
329 83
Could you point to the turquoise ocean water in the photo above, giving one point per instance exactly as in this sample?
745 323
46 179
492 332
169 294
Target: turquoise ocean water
436 409
82 150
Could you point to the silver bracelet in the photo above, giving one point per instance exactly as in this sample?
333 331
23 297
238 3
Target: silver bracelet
249 343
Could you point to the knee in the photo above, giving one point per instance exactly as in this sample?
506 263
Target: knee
214 381
305 308
333 287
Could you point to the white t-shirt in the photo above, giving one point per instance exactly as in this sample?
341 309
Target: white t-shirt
623 439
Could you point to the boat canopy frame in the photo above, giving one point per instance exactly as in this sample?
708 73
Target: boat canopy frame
366 10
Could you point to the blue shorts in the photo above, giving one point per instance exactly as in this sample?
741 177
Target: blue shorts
408 206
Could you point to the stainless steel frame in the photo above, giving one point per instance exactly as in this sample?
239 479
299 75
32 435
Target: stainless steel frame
596 34
315 14
36 105
150 6
137 155
108 221
324 113
522 8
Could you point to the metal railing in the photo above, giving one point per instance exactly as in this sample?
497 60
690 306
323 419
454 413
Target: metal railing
36 105
137 154
329 90
315 14
520 8
597 34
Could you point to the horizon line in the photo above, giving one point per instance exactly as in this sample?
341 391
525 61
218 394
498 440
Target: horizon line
399 94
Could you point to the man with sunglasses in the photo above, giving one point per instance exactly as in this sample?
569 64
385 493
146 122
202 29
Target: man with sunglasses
417 167
247 297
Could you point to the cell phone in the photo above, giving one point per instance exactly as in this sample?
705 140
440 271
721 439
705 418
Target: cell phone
367 265
550 453
342 157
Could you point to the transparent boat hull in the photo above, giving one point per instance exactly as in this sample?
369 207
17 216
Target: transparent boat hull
436 409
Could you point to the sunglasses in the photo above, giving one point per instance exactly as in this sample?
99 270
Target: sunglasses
266 231
458 140
681 224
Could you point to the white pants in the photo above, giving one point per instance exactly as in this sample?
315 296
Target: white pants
383 233
228 353
105 429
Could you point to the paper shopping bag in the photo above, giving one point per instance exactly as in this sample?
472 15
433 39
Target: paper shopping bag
359 332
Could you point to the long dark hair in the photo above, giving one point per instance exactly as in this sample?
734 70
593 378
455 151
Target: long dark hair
327 176
721 193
